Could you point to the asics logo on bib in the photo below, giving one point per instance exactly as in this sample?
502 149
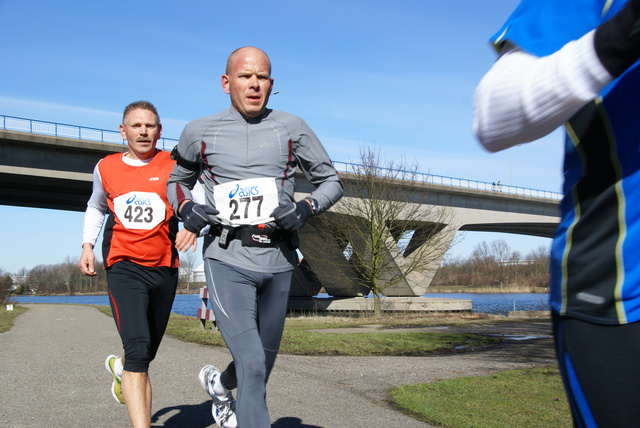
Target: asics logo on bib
244 191
138 201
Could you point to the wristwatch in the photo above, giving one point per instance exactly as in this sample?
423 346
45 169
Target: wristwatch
314 204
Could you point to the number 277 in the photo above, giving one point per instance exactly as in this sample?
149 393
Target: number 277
234 204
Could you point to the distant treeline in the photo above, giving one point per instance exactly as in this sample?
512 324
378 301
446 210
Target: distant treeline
493 265
62 278
490 265
65 278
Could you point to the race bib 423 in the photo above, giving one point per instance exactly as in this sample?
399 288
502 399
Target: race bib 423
140 210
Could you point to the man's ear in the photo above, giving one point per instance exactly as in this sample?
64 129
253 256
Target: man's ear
224 80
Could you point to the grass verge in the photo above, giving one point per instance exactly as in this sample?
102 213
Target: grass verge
529 398
7 317
303 336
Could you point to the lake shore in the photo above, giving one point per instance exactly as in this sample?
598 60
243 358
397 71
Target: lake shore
487 289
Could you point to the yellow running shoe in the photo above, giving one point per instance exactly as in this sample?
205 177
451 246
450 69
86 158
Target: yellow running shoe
116 386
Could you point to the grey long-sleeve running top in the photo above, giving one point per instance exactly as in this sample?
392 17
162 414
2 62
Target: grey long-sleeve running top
227 147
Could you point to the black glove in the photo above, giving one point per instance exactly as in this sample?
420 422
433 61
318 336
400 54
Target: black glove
196 216
617 41
292 216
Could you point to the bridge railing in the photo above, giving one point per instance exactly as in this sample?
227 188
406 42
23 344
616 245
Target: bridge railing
73 131
457 182
70 131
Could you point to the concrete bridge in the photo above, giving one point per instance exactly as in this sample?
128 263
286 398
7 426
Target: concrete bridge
468 210
47 170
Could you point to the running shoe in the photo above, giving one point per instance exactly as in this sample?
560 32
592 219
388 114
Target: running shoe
116 386
223 408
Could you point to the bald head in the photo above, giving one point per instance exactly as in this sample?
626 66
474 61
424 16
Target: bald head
248 80
246 51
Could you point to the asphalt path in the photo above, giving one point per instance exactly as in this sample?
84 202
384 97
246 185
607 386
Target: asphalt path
52 375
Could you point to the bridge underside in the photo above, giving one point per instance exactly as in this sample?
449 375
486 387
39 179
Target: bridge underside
44 171
37 188
543 230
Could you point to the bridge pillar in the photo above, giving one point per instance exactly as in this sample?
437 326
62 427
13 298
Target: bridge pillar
439 238
325 263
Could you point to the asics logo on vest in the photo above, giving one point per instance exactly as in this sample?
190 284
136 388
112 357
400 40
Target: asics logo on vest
138 201
244 191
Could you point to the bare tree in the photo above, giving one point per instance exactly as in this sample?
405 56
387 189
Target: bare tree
61 278
539 266
5 286
386 230
187 267
504 256
496 263
483 262
70 275
42 280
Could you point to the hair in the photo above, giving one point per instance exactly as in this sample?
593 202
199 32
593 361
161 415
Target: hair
143 105
233 55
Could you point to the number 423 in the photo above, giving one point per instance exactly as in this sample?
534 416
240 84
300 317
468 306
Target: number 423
139 214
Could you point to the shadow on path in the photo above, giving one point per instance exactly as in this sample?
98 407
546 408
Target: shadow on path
186 415
199 416
291 422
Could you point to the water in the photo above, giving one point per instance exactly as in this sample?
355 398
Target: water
184 304
500 303
188 304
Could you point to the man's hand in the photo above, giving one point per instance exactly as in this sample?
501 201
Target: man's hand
292 216
87 260
196 216
186 240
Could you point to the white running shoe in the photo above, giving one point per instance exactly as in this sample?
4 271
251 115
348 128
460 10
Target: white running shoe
116 386
223 408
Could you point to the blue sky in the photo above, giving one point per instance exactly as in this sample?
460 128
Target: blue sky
397 75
